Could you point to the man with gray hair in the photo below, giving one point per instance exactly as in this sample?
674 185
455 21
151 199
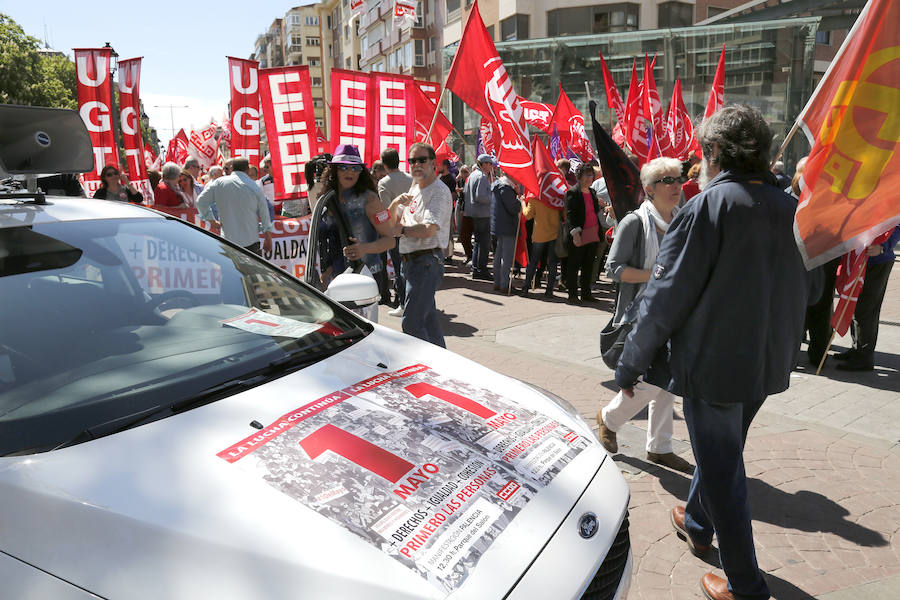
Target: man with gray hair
729 292
477 192
241 205
192 166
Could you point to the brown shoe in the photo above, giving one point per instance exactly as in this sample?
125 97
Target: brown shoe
715 587
671 460
607 435
677 517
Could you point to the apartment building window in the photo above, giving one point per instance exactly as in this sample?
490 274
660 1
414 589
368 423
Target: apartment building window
312 21
514 28
675 14
823 38
330 21
407 56
364 43
347 64
320 122
490 31
317 82
295 19
605 18
453 12
318 103
420 16
313 41
314 62
419 46
296 40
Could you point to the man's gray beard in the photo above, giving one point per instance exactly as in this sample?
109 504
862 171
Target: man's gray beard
704 174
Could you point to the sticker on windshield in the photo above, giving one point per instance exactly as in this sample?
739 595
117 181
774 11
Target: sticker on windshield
257 321
427 468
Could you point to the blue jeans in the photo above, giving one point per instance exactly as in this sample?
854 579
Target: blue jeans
717 502
542 252
482 247
504 254
423 276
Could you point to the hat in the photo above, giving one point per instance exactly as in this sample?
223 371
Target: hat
346 154
486 158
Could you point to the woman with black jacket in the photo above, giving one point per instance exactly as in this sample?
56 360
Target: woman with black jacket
582 234
115 186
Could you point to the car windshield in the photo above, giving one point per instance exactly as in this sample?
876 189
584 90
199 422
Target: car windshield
104 320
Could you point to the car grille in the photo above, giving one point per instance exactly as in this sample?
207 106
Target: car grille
606 581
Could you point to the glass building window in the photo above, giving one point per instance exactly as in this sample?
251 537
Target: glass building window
606 18
419 53
675 14
514 28
452 10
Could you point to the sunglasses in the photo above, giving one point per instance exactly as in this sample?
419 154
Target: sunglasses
355 168
669 180
419 160
112 174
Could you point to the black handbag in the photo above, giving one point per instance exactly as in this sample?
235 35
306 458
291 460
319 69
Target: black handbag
612 341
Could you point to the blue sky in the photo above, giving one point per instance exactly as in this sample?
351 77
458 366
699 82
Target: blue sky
184 45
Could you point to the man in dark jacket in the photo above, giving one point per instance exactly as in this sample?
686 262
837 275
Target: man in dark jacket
505 207
729 290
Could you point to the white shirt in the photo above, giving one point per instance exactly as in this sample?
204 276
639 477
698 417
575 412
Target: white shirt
430 205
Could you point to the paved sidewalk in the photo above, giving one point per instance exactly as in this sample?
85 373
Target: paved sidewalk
823 457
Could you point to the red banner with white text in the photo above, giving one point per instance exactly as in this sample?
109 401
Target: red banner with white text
352 113
130 124
285 94
395 111
94 100
244 77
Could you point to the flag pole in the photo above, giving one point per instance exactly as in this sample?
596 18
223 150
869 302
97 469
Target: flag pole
515 245
840 318
786 141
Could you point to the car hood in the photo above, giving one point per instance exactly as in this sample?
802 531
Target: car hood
392 469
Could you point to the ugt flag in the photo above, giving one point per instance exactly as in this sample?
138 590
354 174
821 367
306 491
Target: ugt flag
479 78
851 178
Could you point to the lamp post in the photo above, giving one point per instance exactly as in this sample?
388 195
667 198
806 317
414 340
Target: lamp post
114 110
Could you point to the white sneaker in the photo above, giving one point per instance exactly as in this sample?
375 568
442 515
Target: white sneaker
396 312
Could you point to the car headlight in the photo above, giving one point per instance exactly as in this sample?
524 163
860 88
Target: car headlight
566 406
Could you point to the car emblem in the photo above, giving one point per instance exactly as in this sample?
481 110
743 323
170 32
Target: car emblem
588 525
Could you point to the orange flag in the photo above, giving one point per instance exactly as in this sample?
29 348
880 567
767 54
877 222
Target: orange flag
850 181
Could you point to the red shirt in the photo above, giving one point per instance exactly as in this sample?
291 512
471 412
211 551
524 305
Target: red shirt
166 196
690 188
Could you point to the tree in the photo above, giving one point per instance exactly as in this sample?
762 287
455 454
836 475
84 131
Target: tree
27 76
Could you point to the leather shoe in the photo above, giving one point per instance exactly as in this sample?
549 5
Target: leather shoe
715 587
671 460
845 355
607 436
677 518
856 363
589 299
574 301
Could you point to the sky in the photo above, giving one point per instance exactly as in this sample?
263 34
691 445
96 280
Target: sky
183 45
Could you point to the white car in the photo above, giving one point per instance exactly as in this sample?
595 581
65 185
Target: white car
181 419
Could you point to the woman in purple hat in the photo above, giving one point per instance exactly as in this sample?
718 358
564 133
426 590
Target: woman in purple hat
369 223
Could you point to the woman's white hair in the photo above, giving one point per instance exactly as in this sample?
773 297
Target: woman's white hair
658 168
170 171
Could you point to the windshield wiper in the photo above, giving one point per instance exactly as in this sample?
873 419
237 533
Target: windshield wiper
282 366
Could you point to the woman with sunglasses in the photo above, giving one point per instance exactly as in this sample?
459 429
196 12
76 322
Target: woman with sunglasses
115 186
630 263
371 231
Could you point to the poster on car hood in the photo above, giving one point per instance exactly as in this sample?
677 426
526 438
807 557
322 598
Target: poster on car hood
428 468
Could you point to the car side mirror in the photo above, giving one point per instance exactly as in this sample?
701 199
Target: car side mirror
354 290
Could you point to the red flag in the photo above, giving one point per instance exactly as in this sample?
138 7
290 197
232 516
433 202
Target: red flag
537 114
285 94
717 93
177 151
522 242
849 192
614 102
635 125
431 89
425 114
849 283
202 145
489 136
553 184
130 124
570 123
661 140
352 113
479 78
321 142
243 76
92 73
149 156
679 127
